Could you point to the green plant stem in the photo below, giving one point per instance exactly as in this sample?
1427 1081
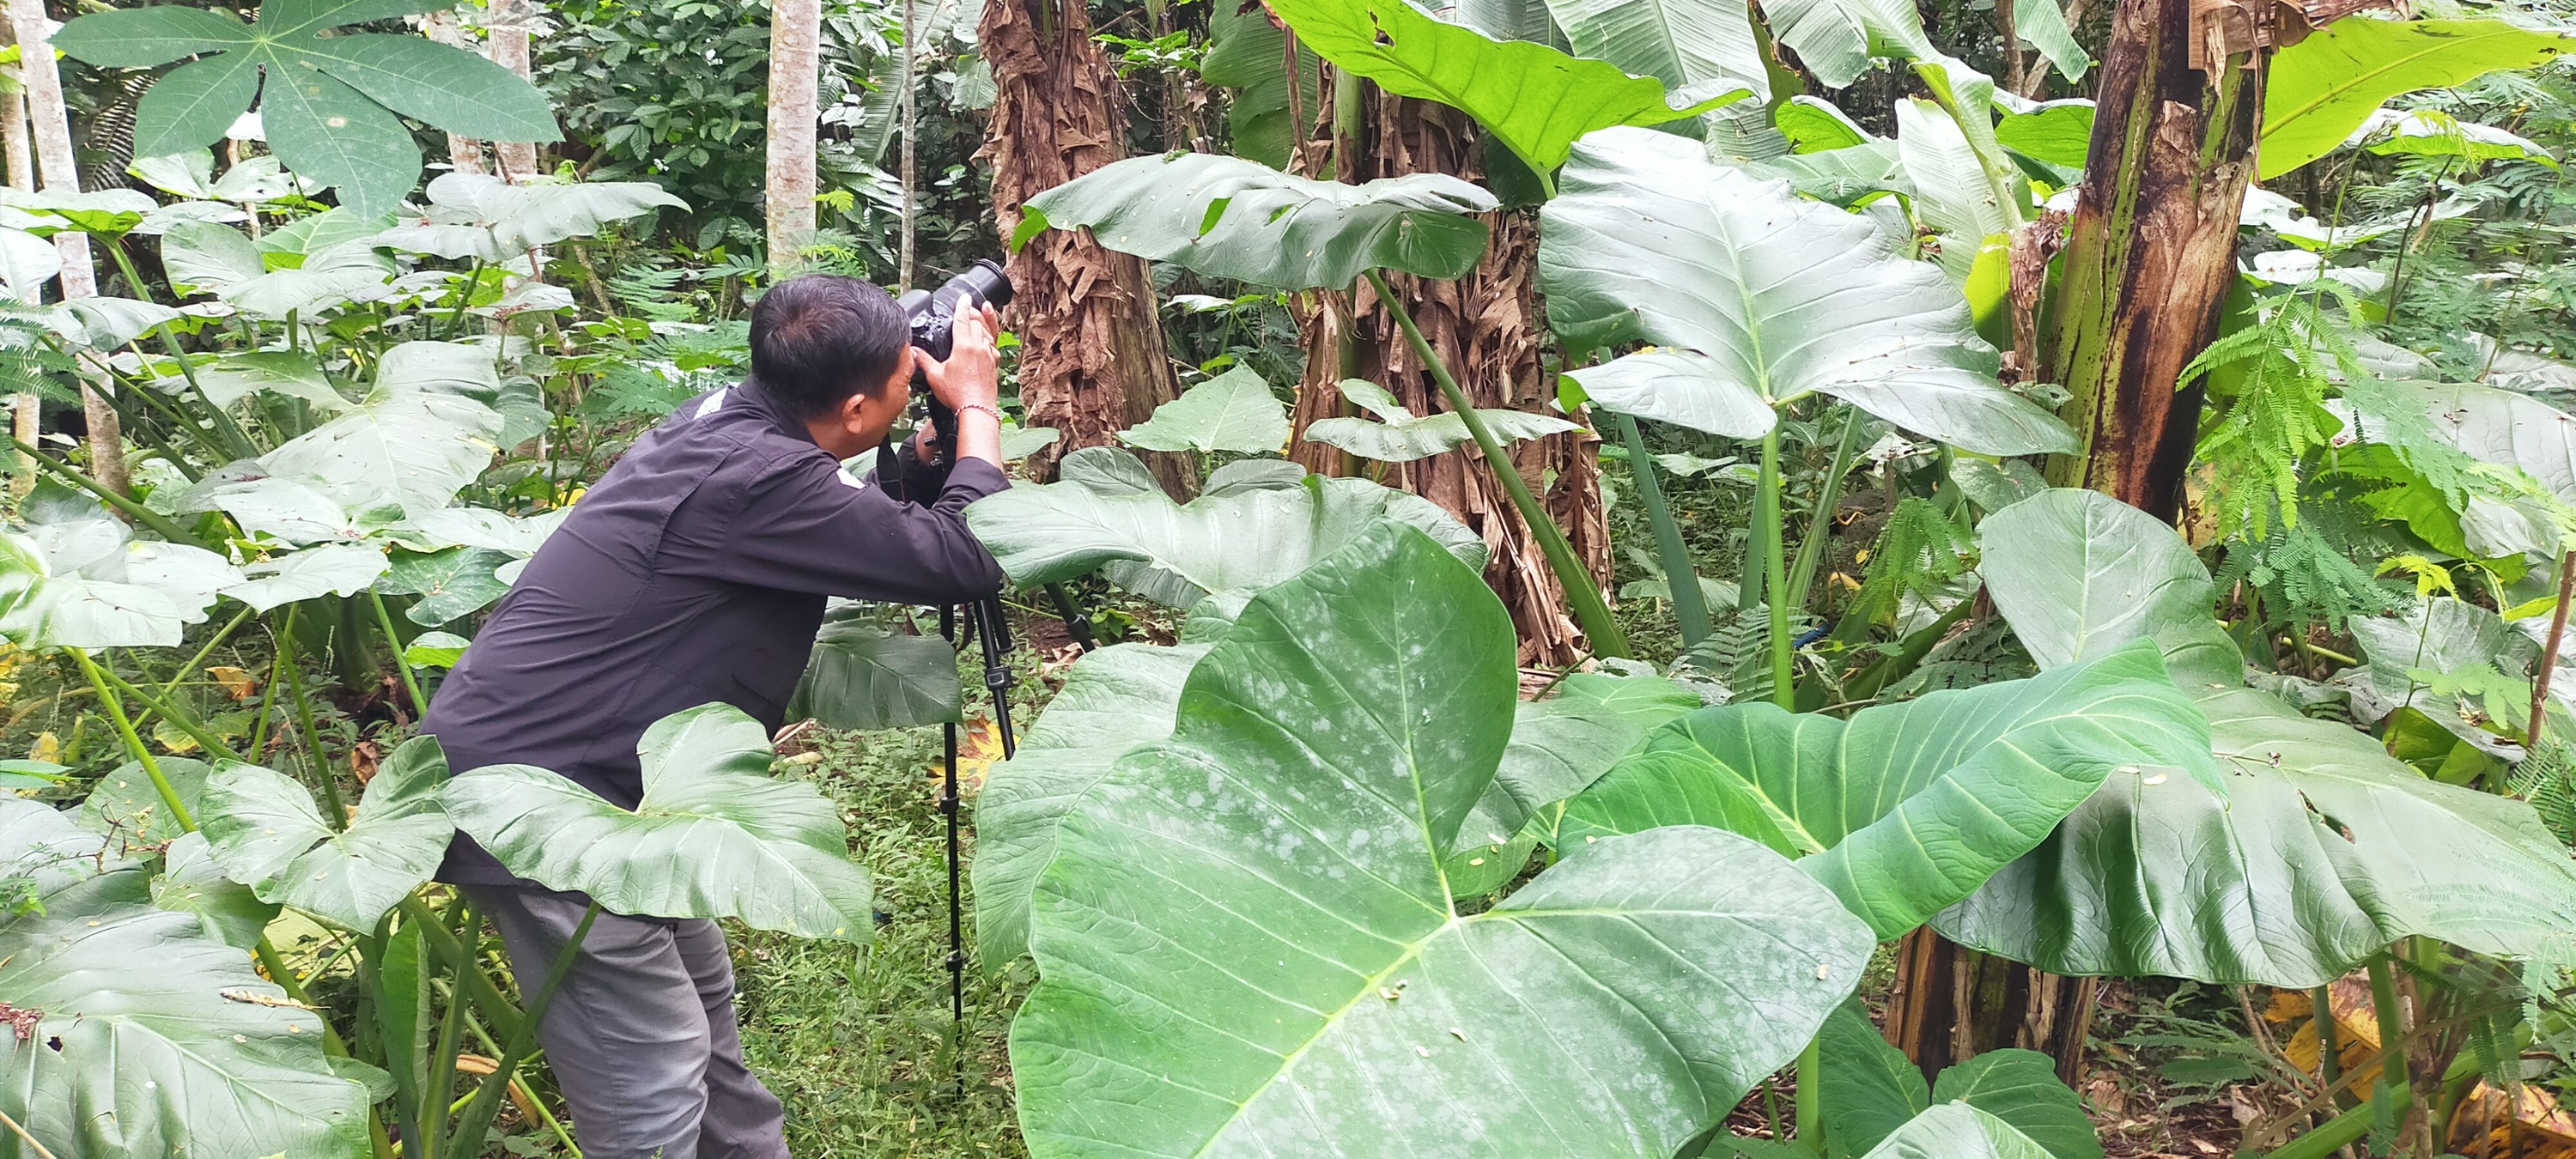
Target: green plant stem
236 444
268 695
2339 1132
1689 606
2392 1028
442 941
182 720
465 298
98 679
1766 516
1820 526
330 785
1591 613
442 1065
136 511
1811 1104
487 1097
411 684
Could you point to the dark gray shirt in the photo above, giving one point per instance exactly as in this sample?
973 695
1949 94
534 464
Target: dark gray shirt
695 571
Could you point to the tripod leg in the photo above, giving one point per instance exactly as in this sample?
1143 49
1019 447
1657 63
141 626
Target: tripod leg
1076 624
998 677
956 920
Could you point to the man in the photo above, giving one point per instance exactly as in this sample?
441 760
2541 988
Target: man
696 571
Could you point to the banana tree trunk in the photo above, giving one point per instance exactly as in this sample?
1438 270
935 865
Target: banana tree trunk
50 126
2149 257
510 20
1487 326
795 36
1092 356
2151 254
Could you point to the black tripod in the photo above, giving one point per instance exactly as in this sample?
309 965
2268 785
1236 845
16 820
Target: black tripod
984 624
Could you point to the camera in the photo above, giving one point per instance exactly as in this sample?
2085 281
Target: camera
930 313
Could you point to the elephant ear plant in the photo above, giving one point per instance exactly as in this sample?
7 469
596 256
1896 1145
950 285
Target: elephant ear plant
1231 218
1247 945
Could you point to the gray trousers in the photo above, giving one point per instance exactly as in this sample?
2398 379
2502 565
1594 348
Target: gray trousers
641 1034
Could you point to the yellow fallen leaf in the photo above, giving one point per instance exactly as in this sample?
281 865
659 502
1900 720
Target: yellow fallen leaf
979 746
48 748
235 682
168 736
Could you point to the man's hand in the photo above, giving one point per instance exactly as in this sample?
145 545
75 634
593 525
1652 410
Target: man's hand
969 383
973 372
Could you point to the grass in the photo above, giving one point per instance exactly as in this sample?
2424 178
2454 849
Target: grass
858 1041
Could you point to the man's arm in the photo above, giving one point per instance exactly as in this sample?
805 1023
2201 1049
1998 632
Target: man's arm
805 527
970 383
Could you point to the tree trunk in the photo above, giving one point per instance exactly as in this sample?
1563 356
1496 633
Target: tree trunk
2150 255
50 125
25 410
464 154
1092 356
509 31
1487 326
795 37
1952 1003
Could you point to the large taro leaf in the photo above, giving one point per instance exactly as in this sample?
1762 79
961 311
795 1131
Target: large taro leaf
86 584
425 430
1226 217
327 569
863 676
2111 581
1401 436
1958 1131
1837 38
1906 808
1116 699
191 883
2444 636
265 831
1680 43
1767 297
2325 86
1246 947
1534 99
453 583
331 98
137 1051
472 215
1558 746
1108 511
1233 411
205 257
128 807
2324 850
2500 427
715 836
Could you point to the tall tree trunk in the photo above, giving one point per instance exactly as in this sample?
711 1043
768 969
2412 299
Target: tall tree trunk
50 125
1092 356
2150 254
795 68
25 410
464 154
509 29
1486 326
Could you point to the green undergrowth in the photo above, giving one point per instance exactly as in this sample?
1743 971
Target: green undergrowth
857 1042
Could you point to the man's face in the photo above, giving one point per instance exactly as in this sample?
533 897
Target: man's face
863 420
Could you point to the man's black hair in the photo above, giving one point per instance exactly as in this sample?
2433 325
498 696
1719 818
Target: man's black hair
817 339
